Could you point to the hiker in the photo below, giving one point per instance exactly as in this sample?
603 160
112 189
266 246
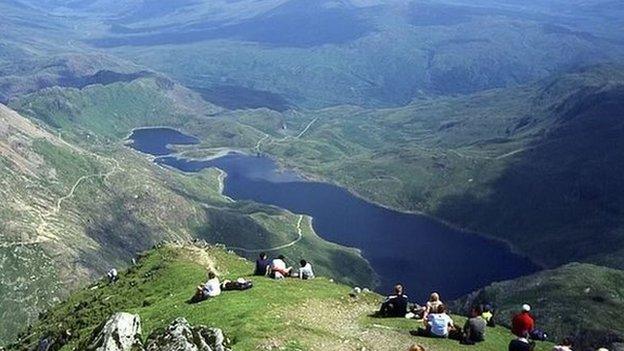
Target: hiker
112 276
212 288
521 343
305 272
433 304
262 265
279 269
474 329
395 305
488 315
523 323
438 324
564 345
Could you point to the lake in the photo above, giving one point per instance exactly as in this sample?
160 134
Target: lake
425 254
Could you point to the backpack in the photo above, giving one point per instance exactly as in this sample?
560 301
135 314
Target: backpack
538 335
237 285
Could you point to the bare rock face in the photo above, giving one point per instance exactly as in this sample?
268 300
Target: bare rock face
121 332
180 336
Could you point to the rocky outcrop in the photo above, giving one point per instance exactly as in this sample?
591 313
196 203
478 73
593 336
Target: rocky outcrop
121 332
181 336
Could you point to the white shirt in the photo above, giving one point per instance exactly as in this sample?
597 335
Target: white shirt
306 271
439 323
212 287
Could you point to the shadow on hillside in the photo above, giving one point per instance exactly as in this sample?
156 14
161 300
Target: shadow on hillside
562 199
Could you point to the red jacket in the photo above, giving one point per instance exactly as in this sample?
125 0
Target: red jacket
522 324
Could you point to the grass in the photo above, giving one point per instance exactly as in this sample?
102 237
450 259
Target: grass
286 315
117 203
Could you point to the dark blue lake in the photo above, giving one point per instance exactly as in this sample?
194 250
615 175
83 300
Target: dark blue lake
421 252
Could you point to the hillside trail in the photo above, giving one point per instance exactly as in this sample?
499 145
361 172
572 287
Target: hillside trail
288 137
275 248
43 234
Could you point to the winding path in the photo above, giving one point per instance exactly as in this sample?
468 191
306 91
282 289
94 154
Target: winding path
298 136
280 247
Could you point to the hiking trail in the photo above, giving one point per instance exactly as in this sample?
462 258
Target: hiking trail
280 247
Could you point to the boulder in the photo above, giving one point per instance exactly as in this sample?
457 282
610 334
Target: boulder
181 336
121 332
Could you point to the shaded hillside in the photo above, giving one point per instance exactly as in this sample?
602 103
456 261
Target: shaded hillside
310 315
565 301
537 165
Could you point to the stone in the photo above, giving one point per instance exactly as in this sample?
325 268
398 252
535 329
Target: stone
181 336
121 332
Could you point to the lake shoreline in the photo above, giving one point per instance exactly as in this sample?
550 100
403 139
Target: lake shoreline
417 228
319 179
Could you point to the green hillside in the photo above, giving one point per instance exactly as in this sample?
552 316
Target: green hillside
566 301
537 165
284 315
70 213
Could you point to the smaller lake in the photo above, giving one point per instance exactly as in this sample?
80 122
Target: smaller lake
423 253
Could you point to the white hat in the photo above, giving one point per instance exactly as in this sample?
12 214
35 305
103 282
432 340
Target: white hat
526 307
602 349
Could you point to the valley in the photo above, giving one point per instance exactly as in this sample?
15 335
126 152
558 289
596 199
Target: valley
418 122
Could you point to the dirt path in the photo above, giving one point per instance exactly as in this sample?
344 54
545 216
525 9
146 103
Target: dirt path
298 136
306 128
280 247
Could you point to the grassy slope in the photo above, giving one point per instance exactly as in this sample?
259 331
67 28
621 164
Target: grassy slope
310 315
121 204
591 291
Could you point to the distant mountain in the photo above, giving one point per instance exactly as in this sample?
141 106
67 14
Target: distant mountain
537 165
323 53
565 302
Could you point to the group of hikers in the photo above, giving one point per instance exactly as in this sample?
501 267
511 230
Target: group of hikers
437 323
275 268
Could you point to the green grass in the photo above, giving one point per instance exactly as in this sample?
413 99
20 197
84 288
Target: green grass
307 314
591 290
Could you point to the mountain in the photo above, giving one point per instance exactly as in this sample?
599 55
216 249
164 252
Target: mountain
323 53
309 315
535 165
564 301
70 213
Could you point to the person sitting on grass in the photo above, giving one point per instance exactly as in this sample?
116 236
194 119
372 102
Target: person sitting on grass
439 324
212 288
488 315
433 304
262 265
474 329
279 269
565 345
305 272
523 323
395 305
521 343
416 347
